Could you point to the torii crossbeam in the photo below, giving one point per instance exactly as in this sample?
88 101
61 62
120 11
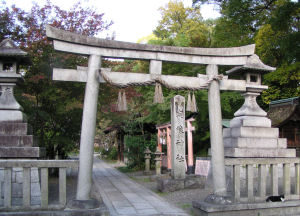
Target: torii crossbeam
97 48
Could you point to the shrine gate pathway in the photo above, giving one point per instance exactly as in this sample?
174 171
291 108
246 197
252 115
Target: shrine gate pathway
123 196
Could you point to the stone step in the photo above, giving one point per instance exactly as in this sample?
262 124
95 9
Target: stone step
243 142
259 153
13 128
250 121
17 141
262 132
22 152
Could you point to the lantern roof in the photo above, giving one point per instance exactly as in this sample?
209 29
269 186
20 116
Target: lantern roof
8 48
253 64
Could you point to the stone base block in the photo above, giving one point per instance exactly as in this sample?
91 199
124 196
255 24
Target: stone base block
250 121
193 182
12 116
170 185
84 204
190 170
259 153
243 142
101 211
249 209
22 152
190 182
147 172
255 132
17 140
14 128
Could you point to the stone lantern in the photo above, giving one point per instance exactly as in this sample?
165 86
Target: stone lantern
158 160
15 142
147 153
250 111
11 57
250 133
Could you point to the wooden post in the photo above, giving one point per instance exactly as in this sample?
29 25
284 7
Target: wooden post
190 130
169 148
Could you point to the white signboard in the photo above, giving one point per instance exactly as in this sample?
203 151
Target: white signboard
202 167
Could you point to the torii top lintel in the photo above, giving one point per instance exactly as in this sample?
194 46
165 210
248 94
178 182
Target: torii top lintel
80 44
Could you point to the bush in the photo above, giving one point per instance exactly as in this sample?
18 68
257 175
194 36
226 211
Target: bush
135 147
112 153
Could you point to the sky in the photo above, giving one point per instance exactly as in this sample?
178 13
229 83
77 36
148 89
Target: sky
133 19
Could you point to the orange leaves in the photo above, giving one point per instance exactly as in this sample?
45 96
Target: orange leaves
36 78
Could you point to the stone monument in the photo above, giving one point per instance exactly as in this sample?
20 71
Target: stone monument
178 139
15 143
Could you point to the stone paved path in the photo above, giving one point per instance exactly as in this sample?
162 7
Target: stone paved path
123 196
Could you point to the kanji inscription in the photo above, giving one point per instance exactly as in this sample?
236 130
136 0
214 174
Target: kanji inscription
178 132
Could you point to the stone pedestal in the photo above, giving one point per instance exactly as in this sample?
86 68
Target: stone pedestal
16 144
250 133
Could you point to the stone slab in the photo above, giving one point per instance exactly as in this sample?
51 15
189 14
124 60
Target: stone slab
250 121
282 143
101 211
258 143
259 153
249 209
170 185
255 132
12 116
190 182
22 152
194 182
16 141
14 128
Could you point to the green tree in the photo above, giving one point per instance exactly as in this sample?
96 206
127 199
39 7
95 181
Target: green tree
54 108
273 25
182 26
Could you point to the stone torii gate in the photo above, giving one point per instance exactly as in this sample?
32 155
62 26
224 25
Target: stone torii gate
96 49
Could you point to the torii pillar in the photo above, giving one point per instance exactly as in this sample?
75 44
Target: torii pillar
216 135
88 129
189 129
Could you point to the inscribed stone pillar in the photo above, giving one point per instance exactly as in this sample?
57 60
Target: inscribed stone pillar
178 137
88 129
216 138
